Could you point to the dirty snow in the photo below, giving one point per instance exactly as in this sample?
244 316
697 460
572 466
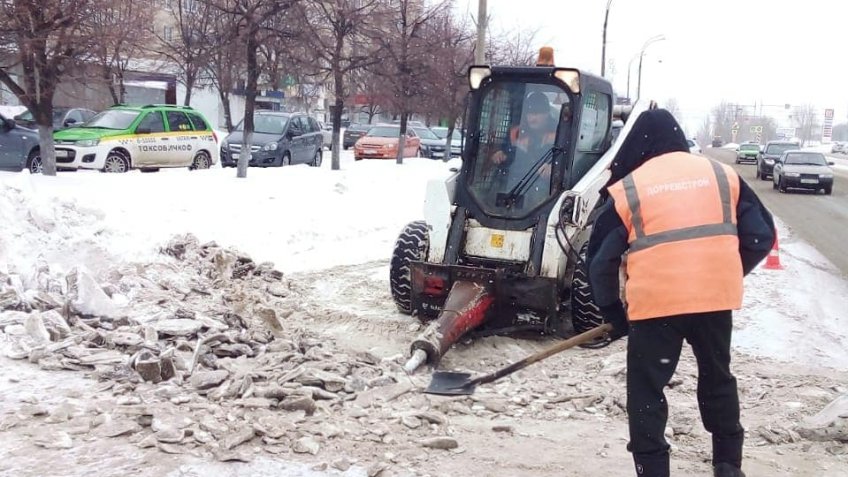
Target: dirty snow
330 234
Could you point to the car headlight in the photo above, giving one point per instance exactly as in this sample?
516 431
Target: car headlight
826 176
388 146
225 146
792 174
88 142
769 161
271 146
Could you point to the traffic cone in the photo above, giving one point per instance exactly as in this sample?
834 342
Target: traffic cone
773 260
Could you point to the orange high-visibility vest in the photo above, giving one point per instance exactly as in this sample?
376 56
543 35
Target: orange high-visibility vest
680 213
519 140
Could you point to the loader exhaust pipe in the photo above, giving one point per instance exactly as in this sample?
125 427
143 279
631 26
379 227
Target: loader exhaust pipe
464 310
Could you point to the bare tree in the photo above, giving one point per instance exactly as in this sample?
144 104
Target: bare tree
406 48
226 61
124 35
40 40
339 50
704 135
254 21
188 40
673 107
513 48
805 119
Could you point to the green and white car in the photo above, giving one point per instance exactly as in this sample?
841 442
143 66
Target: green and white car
747 153
145 137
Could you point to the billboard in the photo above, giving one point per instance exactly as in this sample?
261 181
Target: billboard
785 133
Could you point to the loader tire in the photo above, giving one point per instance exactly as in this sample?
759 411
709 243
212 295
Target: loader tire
585 314
413 244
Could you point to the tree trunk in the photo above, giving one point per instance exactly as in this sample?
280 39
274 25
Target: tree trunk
249 102
338 91
225 102
449 139
190 79
47 147
402 138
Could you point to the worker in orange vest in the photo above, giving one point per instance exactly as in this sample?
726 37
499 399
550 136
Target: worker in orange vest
691 230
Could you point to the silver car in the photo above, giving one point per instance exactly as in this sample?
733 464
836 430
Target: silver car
803 170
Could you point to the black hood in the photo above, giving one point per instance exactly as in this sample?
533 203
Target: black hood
654 133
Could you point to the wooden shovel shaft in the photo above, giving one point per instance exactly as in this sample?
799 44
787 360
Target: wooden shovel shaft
559 347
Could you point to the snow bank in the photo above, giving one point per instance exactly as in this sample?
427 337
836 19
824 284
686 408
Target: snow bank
10 112
730 145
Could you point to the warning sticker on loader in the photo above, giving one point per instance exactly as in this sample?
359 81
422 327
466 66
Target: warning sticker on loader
497 240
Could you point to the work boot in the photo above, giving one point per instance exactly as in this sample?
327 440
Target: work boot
727 470
651 465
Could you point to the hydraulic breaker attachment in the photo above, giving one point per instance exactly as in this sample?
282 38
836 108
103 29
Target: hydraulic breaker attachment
464 310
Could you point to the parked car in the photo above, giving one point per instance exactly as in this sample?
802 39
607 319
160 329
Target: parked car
144 137
803 170
747 153
62 118
717 142
18 147
837 147
381 142
327 132
694 148
353 133
456 139
279 139
771 153
431 145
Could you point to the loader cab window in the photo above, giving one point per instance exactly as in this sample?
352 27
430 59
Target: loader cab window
594 131
519 124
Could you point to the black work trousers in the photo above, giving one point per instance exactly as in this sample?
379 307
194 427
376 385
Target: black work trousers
653 351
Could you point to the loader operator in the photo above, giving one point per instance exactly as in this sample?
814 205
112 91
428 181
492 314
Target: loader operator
526 144
692 229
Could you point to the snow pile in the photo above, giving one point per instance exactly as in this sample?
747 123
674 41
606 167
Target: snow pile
730 145
10 112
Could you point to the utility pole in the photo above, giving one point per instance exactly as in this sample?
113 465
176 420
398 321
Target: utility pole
482 23
604 46
641 55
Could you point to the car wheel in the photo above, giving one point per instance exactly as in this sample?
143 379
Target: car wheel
316 161
828 190
763 176
34 163
412 245
345 147
116 162
286 160
781 186
201 161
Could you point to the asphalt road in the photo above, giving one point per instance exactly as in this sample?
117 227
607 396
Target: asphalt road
820 220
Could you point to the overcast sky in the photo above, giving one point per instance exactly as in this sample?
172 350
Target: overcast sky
742 51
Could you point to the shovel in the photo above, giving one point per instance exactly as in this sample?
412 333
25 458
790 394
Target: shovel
447 383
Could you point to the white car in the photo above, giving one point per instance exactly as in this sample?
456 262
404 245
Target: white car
147 138
694 148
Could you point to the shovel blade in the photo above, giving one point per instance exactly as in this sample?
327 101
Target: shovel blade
450 384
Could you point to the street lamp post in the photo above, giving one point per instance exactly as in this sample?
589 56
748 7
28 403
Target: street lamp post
648 43
482 20
604 45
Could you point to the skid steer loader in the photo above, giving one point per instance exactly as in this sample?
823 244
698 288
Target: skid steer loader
501 248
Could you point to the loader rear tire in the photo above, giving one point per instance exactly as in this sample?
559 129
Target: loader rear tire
585 314
412 245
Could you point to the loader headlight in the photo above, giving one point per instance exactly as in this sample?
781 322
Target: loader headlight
476 75
570 77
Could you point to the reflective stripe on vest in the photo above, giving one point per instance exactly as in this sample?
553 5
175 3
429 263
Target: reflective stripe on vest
726 227
679 211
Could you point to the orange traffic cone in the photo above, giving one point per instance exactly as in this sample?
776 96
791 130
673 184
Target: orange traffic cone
773 260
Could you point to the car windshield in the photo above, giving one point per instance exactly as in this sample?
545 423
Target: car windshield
267 124
113 119
776 149
750 147
384 131
806 159
517 129
425 133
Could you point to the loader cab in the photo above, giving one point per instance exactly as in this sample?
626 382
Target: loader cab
533 132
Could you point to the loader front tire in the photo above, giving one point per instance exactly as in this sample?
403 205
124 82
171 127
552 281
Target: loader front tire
412 245
585 314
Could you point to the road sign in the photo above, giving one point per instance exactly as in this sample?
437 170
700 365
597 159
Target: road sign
827 127
756 129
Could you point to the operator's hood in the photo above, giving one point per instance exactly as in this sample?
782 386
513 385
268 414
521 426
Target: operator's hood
807 169
82 134
259 139
654 133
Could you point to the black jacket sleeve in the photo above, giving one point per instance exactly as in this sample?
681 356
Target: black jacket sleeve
755 227
607 244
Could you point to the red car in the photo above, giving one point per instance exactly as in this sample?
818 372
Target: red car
381 142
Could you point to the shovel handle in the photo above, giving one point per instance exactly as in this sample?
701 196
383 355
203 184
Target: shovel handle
559 347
